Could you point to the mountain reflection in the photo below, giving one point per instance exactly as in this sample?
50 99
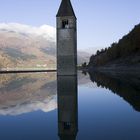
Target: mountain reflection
23 93
126 86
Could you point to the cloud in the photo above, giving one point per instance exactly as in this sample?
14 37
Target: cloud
47 105
45 31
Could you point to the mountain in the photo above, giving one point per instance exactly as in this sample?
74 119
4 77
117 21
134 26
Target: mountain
83 56
23 46
126 52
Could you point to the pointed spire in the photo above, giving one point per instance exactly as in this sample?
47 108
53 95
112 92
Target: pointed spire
65 9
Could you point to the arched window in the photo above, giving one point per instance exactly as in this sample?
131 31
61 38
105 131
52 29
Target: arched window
65 24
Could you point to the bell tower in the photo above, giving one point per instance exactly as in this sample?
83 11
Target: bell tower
67 107
66 40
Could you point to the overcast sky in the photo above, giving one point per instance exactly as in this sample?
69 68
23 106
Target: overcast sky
100 22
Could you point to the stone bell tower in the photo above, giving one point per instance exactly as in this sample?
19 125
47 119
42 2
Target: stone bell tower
66 39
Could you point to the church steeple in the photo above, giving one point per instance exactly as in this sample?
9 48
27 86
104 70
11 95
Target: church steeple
65 9
66 39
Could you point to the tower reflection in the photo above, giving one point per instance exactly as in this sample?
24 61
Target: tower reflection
67 107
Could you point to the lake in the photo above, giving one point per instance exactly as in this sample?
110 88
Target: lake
91 106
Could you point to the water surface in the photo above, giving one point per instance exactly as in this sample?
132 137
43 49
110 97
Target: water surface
96 106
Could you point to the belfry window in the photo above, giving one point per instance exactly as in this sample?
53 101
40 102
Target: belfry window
67 125
65 24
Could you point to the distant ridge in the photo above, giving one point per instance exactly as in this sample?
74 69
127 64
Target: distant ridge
23 46
124 53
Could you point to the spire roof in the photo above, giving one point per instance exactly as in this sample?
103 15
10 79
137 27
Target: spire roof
65 9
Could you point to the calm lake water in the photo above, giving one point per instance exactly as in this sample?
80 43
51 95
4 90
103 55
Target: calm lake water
95 106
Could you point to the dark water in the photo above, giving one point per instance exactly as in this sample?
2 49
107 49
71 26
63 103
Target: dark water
88 107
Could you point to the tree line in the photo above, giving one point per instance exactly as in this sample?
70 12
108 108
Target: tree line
127 46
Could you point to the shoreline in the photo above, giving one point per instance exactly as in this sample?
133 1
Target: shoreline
25 71
116 69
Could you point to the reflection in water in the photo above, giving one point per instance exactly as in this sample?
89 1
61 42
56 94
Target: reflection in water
103 115
126 86
24 93
67 107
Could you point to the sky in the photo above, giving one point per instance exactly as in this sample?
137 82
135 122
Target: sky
100 22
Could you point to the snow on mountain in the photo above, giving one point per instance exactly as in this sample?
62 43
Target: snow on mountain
46 31
28 46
